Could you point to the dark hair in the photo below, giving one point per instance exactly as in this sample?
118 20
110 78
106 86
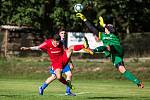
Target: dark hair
56 37
60 29
110 28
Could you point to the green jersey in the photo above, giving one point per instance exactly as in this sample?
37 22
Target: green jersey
109 39
116 50
112 41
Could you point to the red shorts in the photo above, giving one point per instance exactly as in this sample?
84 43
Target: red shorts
62 61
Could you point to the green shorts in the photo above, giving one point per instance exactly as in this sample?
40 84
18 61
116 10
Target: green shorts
116 50
116 55
116 59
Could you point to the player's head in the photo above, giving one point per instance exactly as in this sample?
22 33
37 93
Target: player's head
62 33
56 39
109 28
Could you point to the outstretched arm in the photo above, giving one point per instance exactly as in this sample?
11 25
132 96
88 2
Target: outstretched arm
91 28
30 48
43 47
88 24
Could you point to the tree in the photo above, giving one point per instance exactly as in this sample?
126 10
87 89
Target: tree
49 14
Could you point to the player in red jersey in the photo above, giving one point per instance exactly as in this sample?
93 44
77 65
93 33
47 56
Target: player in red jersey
66 71
58 56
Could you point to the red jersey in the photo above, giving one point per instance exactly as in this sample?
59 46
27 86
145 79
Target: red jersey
57 54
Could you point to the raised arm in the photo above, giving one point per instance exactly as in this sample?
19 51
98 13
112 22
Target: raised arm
88 24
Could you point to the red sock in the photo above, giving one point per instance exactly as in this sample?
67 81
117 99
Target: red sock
62 80
78 47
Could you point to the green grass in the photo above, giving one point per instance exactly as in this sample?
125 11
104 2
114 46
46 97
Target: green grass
93 80
37 68
19 89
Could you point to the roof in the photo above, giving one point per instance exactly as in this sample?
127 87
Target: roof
13 28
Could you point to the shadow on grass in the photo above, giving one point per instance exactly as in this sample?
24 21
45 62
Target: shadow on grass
115 98
13 95
118 98
7 95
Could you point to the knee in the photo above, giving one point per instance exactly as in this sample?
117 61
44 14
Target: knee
53 76
71 68
71 48
69 75
119 64
58 77
121 69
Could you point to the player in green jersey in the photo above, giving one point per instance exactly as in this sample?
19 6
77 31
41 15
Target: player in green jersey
111 47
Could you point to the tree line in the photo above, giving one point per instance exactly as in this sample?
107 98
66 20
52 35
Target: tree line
127 15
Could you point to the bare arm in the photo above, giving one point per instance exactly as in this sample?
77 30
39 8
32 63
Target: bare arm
30 48
40 47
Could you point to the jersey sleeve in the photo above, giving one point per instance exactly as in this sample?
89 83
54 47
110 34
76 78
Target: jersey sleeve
92 28
43 46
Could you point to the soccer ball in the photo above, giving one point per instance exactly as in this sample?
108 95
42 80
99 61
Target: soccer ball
78 8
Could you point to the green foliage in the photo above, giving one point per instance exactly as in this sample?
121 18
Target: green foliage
58 16
127 15
24 16
21 12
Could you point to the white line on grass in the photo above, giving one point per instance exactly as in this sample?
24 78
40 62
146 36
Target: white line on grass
82 93
79 93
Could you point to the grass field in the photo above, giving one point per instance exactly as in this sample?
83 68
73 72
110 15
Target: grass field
93 80
19 89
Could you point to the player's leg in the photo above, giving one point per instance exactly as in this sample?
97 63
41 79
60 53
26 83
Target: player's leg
71 65
66 70
62 79
118 62
68 89
84 47
58 73
100 49
127 74
66 58
68 53
46 83
59 76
